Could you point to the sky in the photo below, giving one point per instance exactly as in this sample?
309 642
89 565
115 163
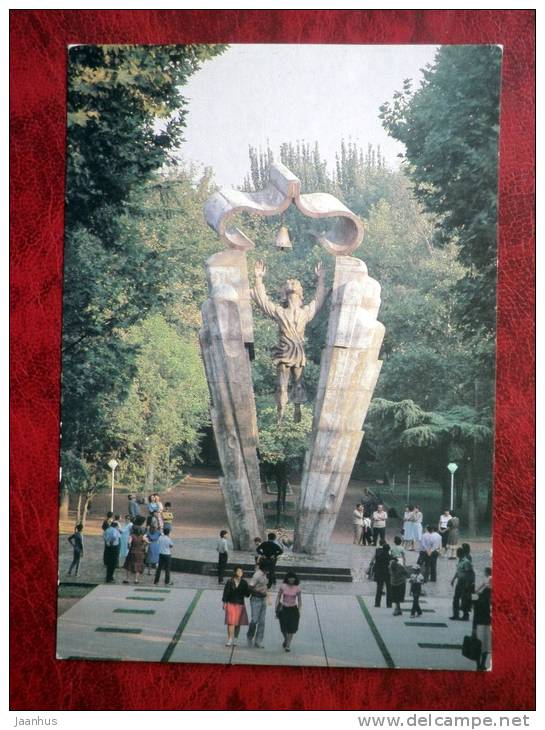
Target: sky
252 94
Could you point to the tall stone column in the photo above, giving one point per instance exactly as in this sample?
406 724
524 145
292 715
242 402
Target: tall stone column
226 338
348 374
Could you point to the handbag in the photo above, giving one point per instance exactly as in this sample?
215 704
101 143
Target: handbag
278 610
471 648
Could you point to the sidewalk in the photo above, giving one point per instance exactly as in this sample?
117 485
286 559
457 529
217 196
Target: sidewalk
142 623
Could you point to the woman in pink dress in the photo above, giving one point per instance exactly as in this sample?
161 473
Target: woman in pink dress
235 591
288 607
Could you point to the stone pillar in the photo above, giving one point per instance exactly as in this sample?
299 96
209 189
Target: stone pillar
348 374
226 339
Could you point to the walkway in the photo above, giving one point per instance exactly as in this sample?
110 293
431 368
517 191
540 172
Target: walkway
143 623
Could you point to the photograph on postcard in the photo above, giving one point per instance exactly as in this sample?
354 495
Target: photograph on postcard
278 355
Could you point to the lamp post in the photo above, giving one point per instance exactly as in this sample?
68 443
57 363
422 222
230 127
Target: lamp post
113 465
409 484
452 468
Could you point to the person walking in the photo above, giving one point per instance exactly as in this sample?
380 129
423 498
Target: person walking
379 524
453 535
271 550
134 562
465 582
165 546
416 579
288 608
357 524
76 540
152 554
482 619
235 591
398 581
222 549
382 574
258 604
111 550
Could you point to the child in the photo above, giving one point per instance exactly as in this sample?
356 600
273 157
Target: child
257 543
165 556
76 540
416 579
168 517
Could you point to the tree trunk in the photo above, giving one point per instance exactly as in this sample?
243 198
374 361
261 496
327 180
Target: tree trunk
167 485
78 509
88 498
150 476
472 498
64 505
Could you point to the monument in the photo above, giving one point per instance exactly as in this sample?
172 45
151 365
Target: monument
349 363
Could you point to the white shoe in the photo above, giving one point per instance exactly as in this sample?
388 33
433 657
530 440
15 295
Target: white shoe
229 643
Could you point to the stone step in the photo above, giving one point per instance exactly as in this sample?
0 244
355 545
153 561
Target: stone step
320 573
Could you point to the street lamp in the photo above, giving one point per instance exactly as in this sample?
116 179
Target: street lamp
409 484
452 468
113 465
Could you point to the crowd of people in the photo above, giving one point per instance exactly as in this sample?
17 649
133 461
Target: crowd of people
391 572
140 542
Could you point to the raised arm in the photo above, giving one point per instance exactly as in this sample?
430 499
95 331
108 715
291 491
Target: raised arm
313 307
259 294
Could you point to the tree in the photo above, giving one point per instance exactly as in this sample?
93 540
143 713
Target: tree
449 127
282 446
126 114
157 428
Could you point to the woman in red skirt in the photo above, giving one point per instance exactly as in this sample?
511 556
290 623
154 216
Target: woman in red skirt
235 591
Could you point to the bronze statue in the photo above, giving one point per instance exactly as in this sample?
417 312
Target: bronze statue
292 318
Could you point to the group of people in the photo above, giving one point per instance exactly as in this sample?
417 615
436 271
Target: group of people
369 528
287 607
389 569
237 589
141 541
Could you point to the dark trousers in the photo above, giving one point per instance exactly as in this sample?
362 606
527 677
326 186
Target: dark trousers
379 533
271 575
222 562
111 555
74 565
415 608
381 583
462 599
429 563
164 564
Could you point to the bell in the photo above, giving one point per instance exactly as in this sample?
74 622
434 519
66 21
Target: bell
283 238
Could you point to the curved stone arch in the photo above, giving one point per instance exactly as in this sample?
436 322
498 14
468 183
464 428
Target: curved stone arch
284 188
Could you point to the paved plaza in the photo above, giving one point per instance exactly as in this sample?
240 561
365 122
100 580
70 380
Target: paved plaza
143 623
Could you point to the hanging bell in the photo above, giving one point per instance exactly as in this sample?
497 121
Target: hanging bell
283 238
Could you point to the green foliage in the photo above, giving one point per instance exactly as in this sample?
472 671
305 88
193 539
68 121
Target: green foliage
158 425
285 442
450 129
120 263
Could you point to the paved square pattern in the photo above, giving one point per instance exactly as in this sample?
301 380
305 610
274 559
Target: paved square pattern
133 623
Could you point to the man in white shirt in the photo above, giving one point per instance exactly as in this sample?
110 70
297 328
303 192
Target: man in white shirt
165 557
431 547
258 604
357 523
443 528
379 524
